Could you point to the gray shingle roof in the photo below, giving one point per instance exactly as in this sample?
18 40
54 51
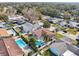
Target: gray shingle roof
61 46
27 27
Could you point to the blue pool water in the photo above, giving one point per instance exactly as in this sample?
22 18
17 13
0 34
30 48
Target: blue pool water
39 43
55 51
21 43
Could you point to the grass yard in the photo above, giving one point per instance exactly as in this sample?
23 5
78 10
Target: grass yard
72 31
58 36
47 53
58 26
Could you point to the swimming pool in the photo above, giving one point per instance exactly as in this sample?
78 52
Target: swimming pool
39 43
20 43
55 51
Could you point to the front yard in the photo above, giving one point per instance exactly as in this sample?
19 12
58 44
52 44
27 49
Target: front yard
72 31
47 53
58 26
58 36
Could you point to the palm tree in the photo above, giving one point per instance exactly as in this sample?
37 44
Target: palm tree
46 38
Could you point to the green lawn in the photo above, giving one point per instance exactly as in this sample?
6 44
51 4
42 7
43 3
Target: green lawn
47 53
58 36
72 31
58 26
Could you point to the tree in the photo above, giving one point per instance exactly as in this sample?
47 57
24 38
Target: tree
4 18
67 15
32 43
25 38
46 37
50 11
46 24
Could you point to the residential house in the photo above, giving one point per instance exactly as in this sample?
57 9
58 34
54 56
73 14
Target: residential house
64 24
55 20
2 24
27 27
12 48
18 19
28 51
69 40
58 48
72 24
61 48
73 49
4 33
37 25
77 38
50 19
52 28
45 17
11 32
39 32
69 53
25 48
3 50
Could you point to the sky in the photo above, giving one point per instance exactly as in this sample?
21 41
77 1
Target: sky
39 0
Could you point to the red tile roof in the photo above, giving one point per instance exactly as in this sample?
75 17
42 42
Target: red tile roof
39 32
3 32
3 50
12 48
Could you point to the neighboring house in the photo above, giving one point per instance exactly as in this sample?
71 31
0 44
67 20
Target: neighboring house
12 32
45 17
15 17
67 40
64 24
4 33
12 48
28 51
72 24
3 50
39 32
27 27
73 49
69 53
18 19
77 38
55 20
2 24
37 26
59 47
50 19
52 28
58 19
77 25
63 47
